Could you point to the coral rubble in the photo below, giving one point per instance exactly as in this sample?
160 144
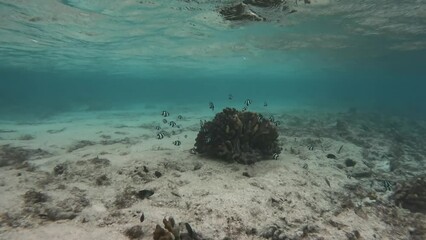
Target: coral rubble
172 231
411 195
244 137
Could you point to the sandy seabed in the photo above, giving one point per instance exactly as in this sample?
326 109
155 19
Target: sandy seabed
82 176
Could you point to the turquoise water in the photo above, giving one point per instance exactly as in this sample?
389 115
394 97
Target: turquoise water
59 56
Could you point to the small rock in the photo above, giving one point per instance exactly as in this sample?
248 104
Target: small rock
331 156
134 232
246 174
145 169
349 162
144 194
59 169
158 174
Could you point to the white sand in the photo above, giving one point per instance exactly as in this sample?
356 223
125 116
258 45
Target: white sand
217 200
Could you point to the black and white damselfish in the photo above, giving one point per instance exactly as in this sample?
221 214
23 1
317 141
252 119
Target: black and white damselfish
211 106
275 156
177 143
247 102
172 123
160 136
165 114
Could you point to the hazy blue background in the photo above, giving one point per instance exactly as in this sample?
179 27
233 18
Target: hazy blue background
56 57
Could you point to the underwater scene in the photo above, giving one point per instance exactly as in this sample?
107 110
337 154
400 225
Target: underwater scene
213 119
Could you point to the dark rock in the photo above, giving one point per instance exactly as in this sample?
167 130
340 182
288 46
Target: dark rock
142 218
411 194
144 194
134 232
240 12
349 162
145 169
246 174
331 156
33 197
59 169
158 174
243 137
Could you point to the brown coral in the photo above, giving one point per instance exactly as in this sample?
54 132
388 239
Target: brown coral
245 137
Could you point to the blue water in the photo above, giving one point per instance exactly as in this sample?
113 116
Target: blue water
102 55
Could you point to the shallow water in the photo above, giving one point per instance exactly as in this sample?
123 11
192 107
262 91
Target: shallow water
66 55
83 85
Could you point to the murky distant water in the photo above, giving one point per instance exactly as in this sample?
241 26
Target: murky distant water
59 56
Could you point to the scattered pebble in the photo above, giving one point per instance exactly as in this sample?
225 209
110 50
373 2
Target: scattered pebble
158 174
331 156
59 169
145 194
349 162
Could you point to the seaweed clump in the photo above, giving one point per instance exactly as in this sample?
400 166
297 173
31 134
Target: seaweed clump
411 195
244 137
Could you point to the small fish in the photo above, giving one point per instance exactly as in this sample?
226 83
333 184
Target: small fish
272 119
165 114
160 136
193 151
164 121
172 123
305 166
211 106
311 147
277 123
275 156
328 182
244 109
180 117
247 102
259 117
387 185
177 143
230 97
157 128
265 104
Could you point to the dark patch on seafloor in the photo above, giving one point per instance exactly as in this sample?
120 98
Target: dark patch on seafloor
16 156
